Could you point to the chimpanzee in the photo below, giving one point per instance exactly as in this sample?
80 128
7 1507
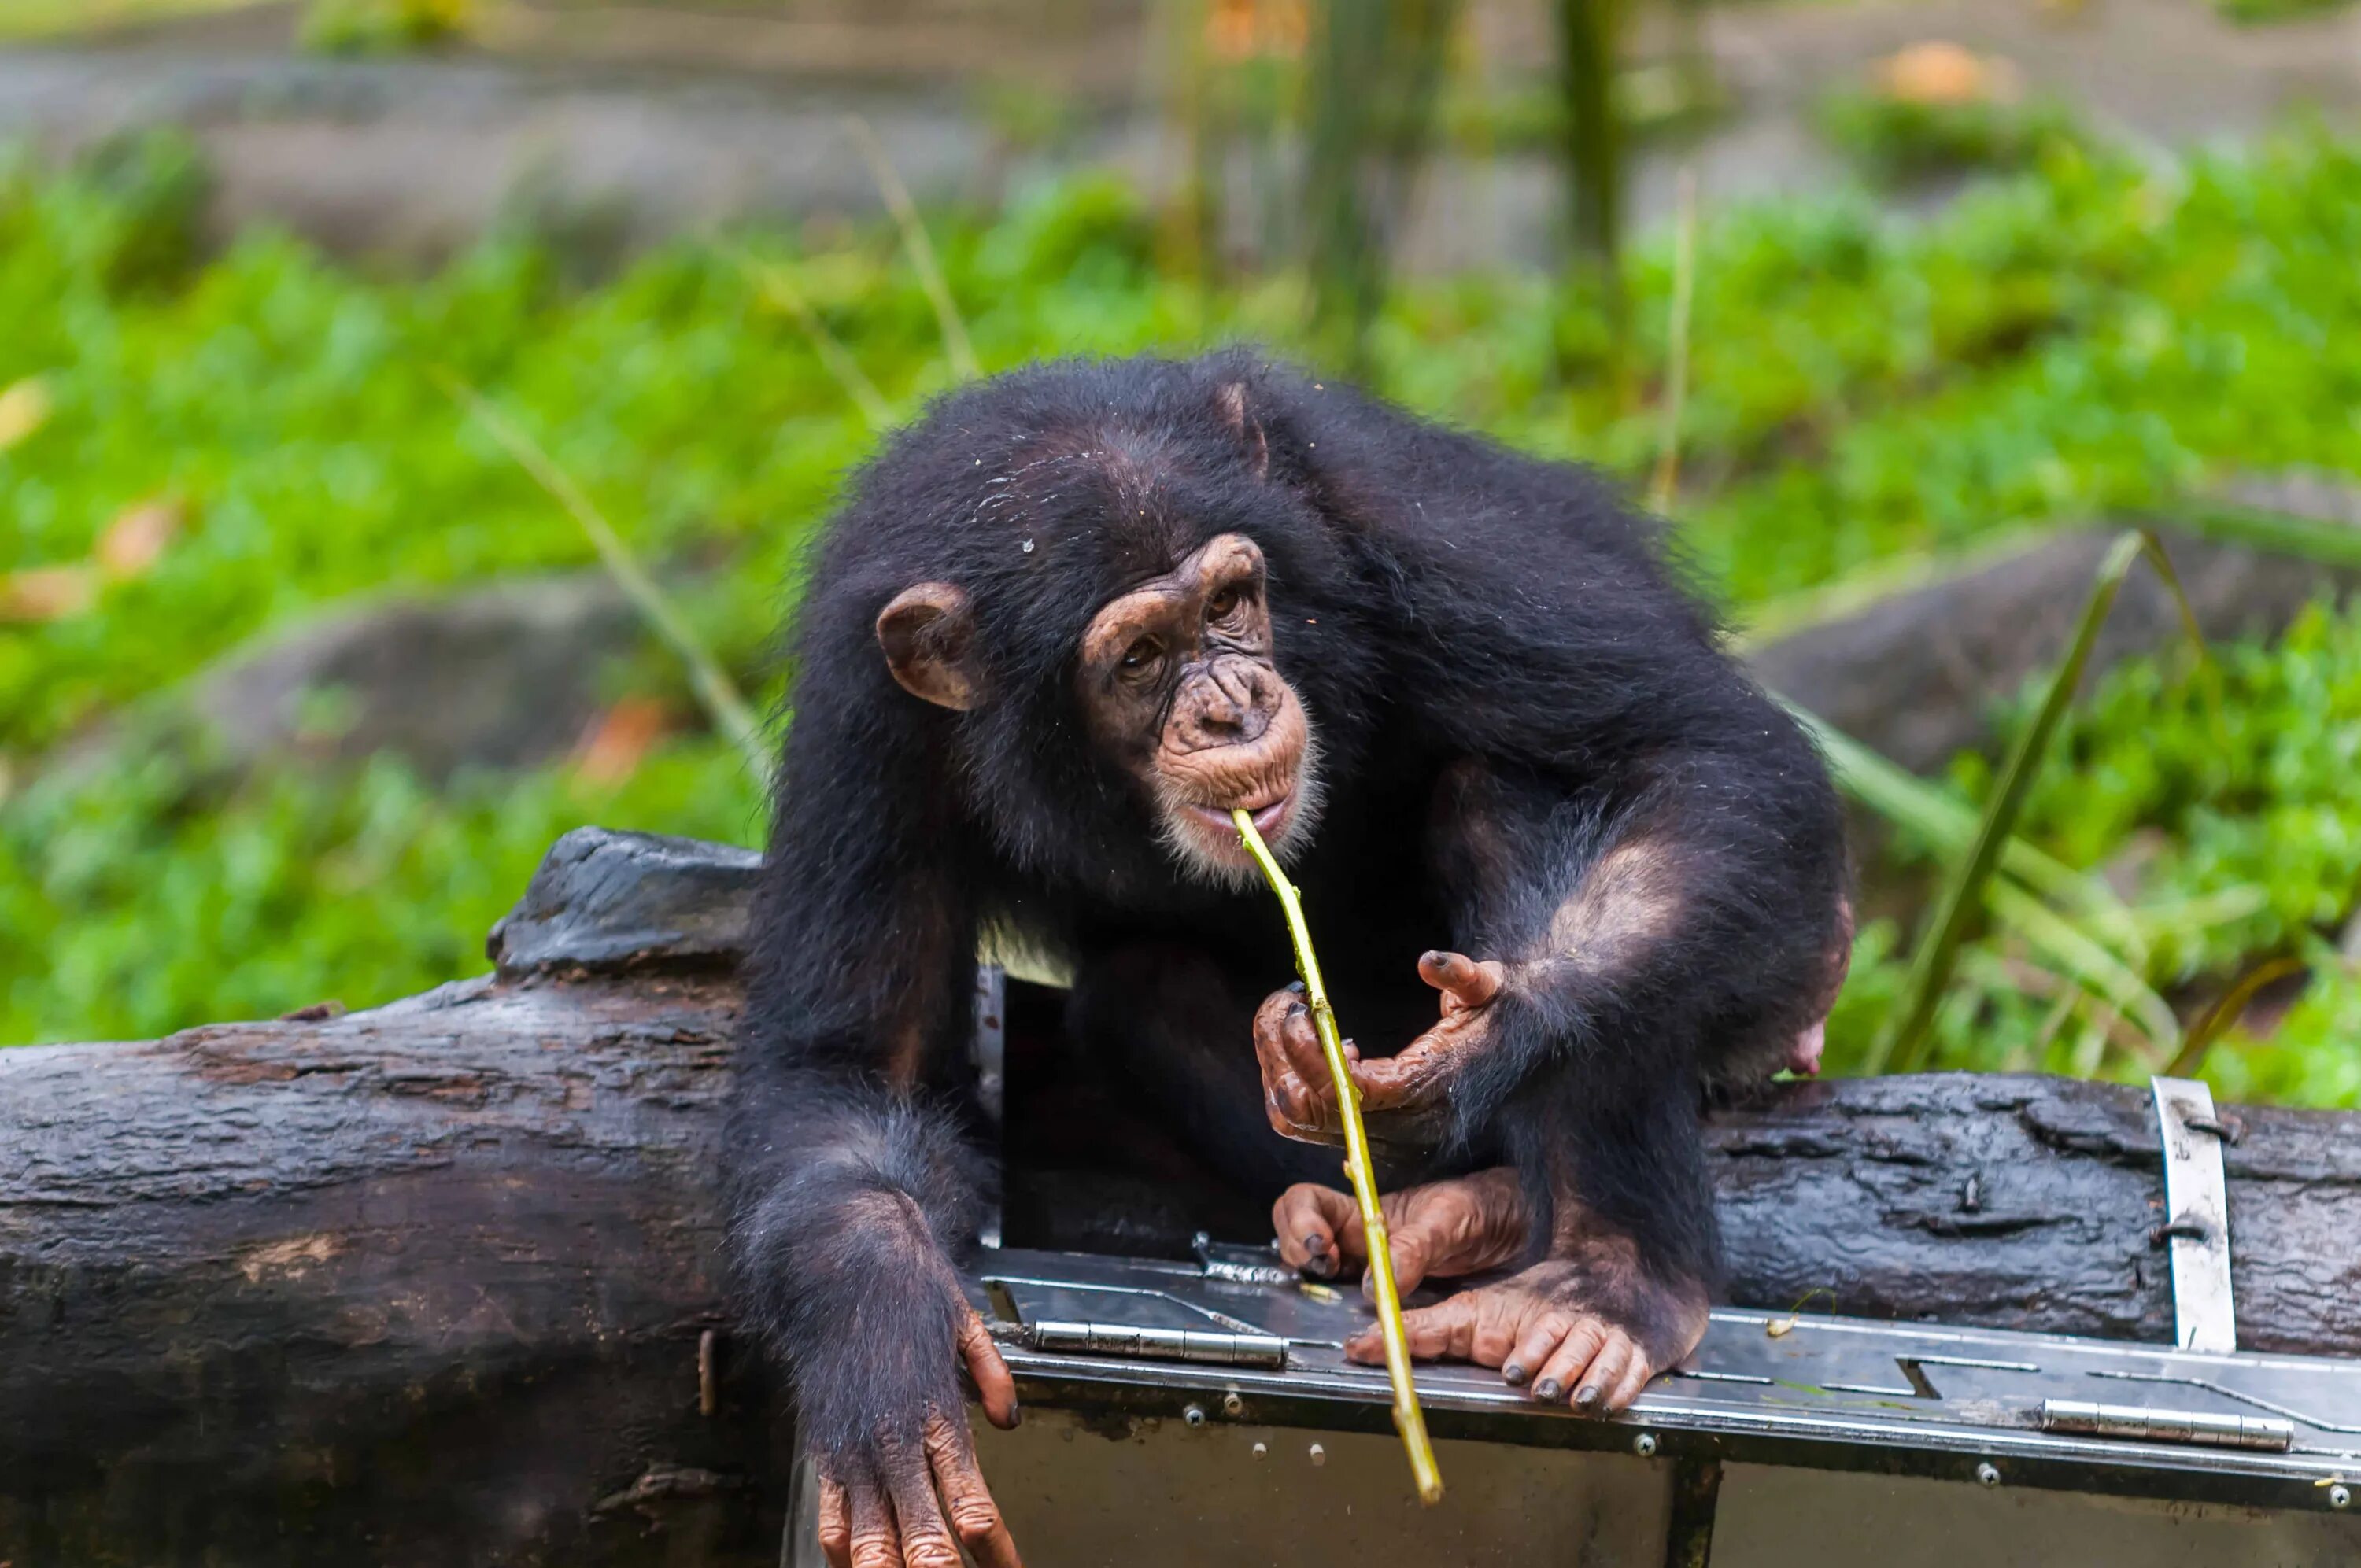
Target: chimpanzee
1059 627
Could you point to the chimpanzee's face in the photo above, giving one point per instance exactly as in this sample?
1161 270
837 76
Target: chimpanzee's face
1177 683
1178 690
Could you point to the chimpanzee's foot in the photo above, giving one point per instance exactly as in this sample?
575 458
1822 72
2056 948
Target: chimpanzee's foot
1593 1328
1463 1225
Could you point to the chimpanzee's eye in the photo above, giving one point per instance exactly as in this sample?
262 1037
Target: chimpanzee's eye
1141 656
1221 604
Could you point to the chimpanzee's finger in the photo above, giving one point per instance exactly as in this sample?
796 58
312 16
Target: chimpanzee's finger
874 1543
975 1518
1292 1105
1317 1227
835 1523
1412 1247
994 1388
1395 1082
1592 1348
910 1484
1551 1350
1463 981
1300 1039
1634 1382
1445 1330
1606 1371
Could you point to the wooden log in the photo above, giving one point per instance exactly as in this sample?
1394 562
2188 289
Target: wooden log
432 1283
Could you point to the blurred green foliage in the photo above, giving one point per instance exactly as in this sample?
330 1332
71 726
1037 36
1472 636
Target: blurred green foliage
1894 141
2088 335
2240 842
382 27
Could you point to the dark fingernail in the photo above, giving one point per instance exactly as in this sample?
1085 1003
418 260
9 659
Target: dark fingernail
1430 957
1586 1397
1547 1389
1315 1245
1015 1414
1295 1009
1296 986
1513 1374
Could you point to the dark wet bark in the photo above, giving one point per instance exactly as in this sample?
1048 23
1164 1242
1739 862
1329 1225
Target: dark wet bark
428 1284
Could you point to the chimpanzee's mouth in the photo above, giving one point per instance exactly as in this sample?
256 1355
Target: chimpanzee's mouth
1270 820
1282 795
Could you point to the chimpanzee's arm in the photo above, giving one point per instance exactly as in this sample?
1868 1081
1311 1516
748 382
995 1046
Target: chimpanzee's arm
853 1184
1641 852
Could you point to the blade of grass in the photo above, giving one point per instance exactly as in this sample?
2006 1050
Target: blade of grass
2280 532
1903 797
1901 1042
1667 477
2209 672
776 284
715 690
2087 964
921 250
2226 1011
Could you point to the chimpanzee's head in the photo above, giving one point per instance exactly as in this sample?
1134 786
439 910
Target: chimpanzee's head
1115 596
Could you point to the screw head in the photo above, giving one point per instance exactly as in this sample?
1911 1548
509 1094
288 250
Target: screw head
1262 1451
1233 1406
1645 1445
1987 1475
2340 1497
1319 1455
1194 1415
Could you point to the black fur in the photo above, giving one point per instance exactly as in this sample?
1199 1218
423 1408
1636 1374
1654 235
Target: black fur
1507 682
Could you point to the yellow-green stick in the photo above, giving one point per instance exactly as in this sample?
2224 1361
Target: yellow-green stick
1409 1420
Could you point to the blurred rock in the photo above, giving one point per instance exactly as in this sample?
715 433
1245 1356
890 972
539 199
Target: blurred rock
504 677
603 900
1916 676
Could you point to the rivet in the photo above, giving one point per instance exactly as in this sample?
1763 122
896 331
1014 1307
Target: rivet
1233 1406
2340 1497
1194 1415
1319 1455
1262 1451
1987 1475
1645 1445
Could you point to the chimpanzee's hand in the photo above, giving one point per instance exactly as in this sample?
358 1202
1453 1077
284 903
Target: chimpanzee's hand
1298 1095
883 1501
1463 1225
1591 1327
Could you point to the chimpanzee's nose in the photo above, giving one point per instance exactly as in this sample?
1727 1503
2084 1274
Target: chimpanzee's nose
1222 705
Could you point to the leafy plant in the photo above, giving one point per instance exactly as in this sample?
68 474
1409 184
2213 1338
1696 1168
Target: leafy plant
1895 140
2087 338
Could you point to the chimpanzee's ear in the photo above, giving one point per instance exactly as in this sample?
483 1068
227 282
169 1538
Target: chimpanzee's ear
928 635
1248 429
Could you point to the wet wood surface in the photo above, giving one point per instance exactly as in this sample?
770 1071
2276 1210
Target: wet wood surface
441 1282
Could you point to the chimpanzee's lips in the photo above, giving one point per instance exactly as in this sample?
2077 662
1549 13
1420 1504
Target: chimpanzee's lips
1270 820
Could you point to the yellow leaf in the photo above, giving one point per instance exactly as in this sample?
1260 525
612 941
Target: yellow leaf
47 593
134 541
24 409
1940 73
621 739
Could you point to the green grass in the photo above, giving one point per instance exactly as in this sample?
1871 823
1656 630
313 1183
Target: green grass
1895 140
2236 843
2084 337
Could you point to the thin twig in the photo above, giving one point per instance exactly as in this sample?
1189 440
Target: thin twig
779 288
723 704
956 342
1677 348
1409 1420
